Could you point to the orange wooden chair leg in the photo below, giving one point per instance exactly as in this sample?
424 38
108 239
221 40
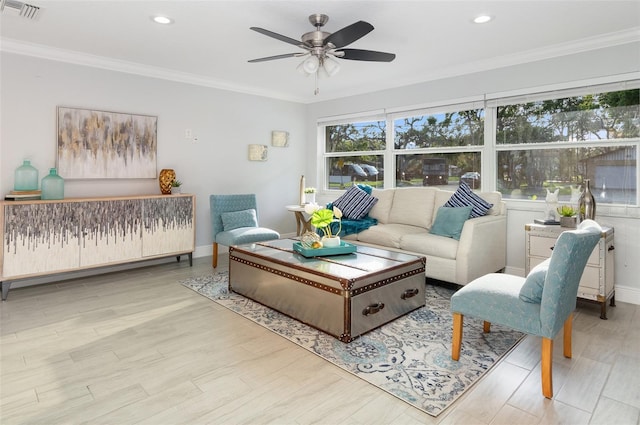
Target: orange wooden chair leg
546 367
486 327
214 261
457 336
568 326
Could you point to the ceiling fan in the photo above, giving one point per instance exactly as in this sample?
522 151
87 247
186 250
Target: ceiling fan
321 48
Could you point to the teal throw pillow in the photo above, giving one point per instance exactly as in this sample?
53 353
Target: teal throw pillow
449 221
531 291
236 219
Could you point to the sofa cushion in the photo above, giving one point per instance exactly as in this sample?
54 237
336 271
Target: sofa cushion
355 203
380 210
464 197
531 290
413 206
449 221
388 234
430 245
237 219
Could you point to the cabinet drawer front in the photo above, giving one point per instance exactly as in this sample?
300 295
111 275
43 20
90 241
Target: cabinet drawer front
541 247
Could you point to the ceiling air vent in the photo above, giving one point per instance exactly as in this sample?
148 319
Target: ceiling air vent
25 10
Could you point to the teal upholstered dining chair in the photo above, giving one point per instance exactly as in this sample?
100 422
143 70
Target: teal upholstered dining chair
234 220
540 304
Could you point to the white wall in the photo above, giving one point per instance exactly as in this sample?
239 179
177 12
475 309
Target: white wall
598 64
224 122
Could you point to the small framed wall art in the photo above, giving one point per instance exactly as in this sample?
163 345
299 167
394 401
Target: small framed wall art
258 152
280 138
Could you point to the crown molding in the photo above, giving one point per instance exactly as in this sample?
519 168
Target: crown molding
83 59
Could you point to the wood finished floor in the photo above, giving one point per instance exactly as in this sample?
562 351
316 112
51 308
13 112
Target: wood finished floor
135 347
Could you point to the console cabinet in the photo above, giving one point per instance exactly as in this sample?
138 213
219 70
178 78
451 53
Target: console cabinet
46 237
597 282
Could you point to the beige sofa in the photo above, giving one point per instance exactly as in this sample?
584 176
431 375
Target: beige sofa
405 216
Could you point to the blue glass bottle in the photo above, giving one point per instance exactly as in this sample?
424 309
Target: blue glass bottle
52 186
26 177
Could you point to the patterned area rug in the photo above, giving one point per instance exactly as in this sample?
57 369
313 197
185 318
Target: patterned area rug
409 358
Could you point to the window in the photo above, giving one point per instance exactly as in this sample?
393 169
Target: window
557 142
354 153
527 145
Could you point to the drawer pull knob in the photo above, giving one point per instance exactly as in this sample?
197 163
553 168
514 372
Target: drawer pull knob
611 248
409 293
373 309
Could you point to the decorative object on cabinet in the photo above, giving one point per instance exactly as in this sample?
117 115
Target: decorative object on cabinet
41 238
280 139
258 152
597 283
176 186
551 205
166 178
106 145
25 177
587 203
52 186
568 216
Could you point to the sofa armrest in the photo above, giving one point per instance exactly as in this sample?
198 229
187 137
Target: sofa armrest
482 248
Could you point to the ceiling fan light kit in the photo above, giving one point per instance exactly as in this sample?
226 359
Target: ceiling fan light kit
322 48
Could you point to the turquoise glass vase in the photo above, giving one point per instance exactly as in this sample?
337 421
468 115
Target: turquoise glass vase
26 177
52 186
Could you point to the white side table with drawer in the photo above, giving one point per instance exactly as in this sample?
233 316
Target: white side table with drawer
597 283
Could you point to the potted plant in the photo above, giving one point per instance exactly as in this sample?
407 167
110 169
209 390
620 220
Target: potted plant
567 216
175 186
309 195
321 218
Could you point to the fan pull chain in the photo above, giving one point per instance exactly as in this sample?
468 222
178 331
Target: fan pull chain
317 90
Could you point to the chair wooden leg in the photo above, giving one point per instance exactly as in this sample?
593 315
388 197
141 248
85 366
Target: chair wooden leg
457 336
214 261
486 327
546 367
568 327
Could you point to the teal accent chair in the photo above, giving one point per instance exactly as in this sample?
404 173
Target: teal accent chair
498 298
234 211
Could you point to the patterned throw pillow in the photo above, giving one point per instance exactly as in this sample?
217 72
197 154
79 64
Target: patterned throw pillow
355 203
236 219
450 221
464 197
531 291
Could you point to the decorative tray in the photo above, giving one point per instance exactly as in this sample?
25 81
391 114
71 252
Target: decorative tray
344 248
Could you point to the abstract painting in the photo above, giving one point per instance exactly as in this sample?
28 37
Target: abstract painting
106 145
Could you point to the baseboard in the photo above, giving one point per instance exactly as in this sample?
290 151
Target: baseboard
626 294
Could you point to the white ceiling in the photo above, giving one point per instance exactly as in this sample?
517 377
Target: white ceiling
209 42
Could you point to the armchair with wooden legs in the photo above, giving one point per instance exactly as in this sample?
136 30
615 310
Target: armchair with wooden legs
540 304
234 221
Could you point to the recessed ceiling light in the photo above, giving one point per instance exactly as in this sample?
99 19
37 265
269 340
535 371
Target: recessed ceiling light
162 20
482 19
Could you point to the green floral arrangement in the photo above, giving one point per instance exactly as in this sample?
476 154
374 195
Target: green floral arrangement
309 190
321 218
567 211
176 183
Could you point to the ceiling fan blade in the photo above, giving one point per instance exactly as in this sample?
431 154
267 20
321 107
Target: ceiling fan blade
269 58
365 55
278 36
349 34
